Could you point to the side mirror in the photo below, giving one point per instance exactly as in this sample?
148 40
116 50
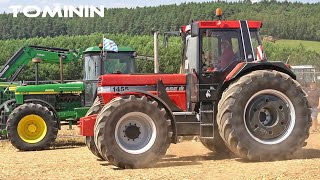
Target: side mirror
165 41
167 35
194 29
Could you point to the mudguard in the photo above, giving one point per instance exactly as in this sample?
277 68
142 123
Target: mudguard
245 67
174 138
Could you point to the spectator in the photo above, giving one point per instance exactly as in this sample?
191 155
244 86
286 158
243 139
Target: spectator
314 102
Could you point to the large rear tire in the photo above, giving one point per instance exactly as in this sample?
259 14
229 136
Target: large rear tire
264 116
133 132
89 140
32 127
217 144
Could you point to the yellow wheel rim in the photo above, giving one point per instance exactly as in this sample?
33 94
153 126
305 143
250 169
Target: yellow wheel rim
32 128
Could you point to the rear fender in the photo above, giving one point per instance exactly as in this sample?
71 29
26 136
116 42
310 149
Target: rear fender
246 67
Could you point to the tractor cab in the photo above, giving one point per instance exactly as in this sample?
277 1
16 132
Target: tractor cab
212 51
96 63
216 45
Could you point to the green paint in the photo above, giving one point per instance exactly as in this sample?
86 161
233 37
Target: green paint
97 49
73 88
81 112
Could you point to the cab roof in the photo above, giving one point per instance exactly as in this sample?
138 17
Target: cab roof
120 49
220 24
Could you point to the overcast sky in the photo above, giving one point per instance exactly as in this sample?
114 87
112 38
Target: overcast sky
5 4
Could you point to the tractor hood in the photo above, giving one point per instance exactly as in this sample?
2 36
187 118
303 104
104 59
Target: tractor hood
74 88
10 85
141 79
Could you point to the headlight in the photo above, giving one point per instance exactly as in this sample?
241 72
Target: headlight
103 89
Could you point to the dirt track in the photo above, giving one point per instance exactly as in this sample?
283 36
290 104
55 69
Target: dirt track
187 160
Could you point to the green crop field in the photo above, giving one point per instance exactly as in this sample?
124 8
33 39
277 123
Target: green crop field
309 45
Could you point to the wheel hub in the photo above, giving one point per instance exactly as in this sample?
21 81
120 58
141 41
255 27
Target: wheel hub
32 128
135 132
132 132
268 116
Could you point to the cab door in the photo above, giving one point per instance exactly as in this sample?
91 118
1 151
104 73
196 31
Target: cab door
220 52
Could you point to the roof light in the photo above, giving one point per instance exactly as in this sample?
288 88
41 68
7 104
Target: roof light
219 13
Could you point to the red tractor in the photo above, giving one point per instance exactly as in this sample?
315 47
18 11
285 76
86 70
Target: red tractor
227 93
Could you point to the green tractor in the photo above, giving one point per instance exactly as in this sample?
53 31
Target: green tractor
42 109
14 66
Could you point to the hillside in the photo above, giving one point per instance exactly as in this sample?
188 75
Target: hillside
309 45
281 19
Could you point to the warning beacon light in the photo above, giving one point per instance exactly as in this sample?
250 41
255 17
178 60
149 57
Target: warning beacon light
219 13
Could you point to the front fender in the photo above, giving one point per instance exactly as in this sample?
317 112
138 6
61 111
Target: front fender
174 138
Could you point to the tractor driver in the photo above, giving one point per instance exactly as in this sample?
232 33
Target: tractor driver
227 53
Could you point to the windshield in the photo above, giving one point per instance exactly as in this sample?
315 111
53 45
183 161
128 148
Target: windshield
256 41
92 66
119 63
114 63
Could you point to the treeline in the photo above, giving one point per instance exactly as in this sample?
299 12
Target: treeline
170 57
285 20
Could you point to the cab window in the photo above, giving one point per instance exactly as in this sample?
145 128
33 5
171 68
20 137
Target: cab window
219 49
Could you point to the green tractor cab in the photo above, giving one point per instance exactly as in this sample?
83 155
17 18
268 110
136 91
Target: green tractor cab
97 63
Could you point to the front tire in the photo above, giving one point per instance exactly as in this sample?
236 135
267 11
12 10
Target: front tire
32 127
89 140
133 132
5 109
264 116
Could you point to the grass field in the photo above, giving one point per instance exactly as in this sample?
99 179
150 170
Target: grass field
309 45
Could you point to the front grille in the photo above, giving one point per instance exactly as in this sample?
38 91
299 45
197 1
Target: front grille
99 81
101 101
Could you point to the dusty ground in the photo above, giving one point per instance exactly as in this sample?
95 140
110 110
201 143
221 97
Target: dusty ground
69 159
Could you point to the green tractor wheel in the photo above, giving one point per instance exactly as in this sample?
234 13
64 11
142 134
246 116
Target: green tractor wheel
32 127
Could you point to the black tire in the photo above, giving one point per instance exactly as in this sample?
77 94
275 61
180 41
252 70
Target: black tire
89 140
5 109
32 110
264 116
112 139
217 144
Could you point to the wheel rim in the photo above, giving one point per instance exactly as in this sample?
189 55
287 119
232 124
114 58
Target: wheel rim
135 133
269 116
32 128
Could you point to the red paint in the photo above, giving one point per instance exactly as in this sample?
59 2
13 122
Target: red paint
86 125
288 66
178 97
141 79
183 28
234 71
227 24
